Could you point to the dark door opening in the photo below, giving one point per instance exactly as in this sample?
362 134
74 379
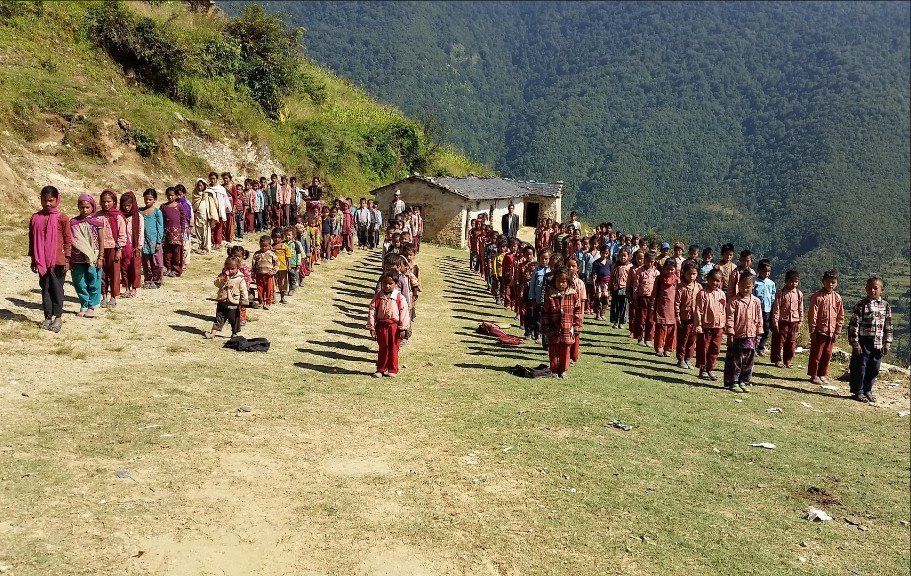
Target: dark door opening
532 210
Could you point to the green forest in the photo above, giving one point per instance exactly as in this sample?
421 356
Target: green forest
783 127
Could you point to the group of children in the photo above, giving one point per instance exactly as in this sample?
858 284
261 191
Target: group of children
681 305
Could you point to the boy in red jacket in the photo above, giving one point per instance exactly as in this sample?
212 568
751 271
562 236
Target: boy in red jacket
825 319
743 328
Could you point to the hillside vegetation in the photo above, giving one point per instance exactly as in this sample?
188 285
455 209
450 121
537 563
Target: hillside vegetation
768 124
135 93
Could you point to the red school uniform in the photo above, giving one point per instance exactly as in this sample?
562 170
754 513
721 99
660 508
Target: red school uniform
664 311
686 320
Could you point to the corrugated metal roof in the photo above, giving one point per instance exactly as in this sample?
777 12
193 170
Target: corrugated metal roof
477 188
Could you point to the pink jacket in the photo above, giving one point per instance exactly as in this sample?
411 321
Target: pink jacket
392 306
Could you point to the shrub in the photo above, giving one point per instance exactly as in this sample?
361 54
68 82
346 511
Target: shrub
12 8
270 56
138 43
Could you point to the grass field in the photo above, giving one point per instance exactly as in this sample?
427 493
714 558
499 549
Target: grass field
455 467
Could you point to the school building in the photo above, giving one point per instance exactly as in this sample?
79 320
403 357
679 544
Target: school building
448 204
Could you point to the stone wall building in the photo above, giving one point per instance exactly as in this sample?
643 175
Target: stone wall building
448 204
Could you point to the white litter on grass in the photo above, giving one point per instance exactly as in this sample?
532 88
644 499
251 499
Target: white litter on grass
766 445
151 426
903 413
738 400
809 407
507 448
773 410
800 350
817 515
829 387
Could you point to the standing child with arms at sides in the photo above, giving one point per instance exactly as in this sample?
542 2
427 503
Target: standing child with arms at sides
706 266
389 321
726 265
711 307
240 253
50 242
265 264
687 292
294 249
601 276
281 271
579 286
536 289
153 227
645 285
85 257
786 317
637 260
113 237
561 318
233 294
743 326
131 254
870 335
765 290
175 224
825 319
743 269
619 285
664 308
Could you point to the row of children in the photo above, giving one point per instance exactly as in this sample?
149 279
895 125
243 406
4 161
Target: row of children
684 304
109 249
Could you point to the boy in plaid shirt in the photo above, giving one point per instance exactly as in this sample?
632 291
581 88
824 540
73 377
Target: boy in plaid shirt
870 336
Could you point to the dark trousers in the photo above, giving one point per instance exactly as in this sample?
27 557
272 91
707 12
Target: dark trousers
374 236
293 276
766 330
293 214
738 361
532 319
225 312
239 224
258 221
362 235
865 366
110 279
51 283
172 256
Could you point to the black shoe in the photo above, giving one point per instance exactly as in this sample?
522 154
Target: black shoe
711 376
870 397
859 398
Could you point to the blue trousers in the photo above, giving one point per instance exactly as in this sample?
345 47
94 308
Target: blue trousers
87 281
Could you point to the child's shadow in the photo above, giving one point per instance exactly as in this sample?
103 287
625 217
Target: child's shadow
14 316
187 329
196 315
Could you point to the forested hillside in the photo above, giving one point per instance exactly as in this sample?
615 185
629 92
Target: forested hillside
782 126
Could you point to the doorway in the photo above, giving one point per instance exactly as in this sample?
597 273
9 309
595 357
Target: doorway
532 211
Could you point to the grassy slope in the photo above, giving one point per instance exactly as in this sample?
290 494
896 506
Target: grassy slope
48 70
456 467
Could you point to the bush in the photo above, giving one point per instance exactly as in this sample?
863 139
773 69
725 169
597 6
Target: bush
12 8
270 53
146 145
139 44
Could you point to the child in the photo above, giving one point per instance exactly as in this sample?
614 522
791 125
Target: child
496 270
710 320
131 253
241 254
764 290
153 228
743 326
706 266
601 273
726 265
265 264
561 319
870 336
744 269
85 258
645 284
618 285
113 237
509 263
637 260
579 286
663 305
389 321
188 215
233 294
50 242
786 317
294 250
687 292
282 255
535 298
175 224
825 319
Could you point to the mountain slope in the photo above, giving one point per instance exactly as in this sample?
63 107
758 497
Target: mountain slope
144 94
764 123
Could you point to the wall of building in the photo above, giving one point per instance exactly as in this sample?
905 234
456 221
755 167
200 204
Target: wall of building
442 211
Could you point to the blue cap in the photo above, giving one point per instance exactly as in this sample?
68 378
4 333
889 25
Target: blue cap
665 245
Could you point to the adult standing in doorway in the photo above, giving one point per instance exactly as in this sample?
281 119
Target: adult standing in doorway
398 206
510 222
